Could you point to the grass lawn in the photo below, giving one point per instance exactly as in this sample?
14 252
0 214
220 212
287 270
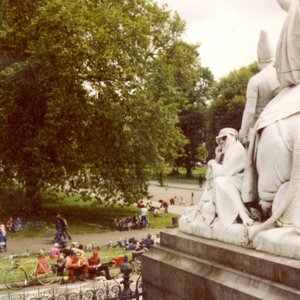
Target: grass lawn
86 217
107 254
182 178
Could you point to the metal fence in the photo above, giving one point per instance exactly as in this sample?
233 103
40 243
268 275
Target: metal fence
99 290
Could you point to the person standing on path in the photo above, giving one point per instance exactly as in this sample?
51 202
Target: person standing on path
58 227
144 214
64 228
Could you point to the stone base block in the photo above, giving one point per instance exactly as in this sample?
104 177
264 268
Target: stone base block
189 267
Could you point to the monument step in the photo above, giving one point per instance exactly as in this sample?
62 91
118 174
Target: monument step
277 269
190 267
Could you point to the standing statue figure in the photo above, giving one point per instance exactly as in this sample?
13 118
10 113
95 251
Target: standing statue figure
261 89
270 175
272 170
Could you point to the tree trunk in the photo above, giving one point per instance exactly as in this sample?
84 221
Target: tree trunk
189 172
33 196
161 179
175 171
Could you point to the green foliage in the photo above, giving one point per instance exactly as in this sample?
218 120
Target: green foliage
195 87
192 124
90 94
202 153
226 109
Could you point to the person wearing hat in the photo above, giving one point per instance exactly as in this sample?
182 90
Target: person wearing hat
261 89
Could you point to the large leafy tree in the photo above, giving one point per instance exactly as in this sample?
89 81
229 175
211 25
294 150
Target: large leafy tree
228 102
88 94
192 120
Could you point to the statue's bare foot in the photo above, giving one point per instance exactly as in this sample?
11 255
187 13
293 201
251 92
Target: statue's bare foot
252 231
247 221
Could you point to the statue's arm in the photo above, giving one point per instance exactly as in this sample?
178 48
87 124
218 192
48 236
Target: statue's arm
234 162
249 111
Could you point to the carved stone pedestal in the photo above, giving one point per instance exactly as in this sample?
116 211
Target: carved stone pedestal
190 267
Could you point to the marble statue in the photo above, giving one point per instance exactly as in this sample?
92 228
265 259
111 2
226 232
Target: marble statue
261 88
221 203
269 177
272 171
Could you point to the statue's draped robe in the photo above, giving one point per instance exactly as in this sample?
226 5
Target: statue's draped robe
285 104
227 182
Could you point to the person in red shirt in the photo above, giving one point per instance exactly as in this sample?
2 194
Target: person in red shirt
42 264
164 204
95 266
9 224
77 266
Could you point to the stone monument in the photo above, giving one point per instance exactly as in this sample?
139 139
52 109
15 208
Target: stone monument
241 241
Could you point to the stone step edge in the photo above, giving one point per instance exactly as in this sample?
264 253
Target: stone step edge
256 281
275 268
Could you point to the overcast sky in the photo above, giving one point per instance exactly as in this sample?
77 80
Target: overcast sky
228 30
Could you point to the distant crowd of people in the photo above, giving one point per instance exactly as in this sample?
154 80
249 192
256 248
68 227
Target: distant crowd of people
73 260
141 221
127 223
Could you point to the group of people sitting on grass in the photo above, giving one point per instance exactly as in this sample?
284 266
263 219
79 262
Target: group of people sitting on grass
142 246
158 211
128 223
72 259
14 225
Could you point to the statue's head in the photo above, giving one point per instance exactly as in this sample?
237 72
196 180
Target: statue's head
285 4
224 133
288 47
265 52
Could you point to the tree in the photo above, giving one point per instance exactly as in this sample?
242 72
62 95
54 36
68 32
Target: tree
227 106
192 120
78 96
188 86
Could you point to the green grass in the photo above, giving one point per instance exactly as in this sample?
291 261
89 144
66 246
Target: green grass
182 178
106 254
85 217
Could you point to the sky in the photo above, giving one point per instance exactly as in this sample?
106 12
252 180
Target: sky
228 30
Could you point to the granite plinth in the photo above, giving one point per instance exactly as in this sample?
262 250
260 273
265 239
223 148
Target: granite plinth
190 267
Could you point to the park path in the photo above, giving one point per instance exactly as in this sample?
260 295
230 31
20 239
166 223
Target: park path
190 193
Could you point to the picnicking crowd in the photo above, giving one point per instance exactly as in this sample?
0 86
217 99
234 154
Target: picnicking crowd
141 221
74 261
